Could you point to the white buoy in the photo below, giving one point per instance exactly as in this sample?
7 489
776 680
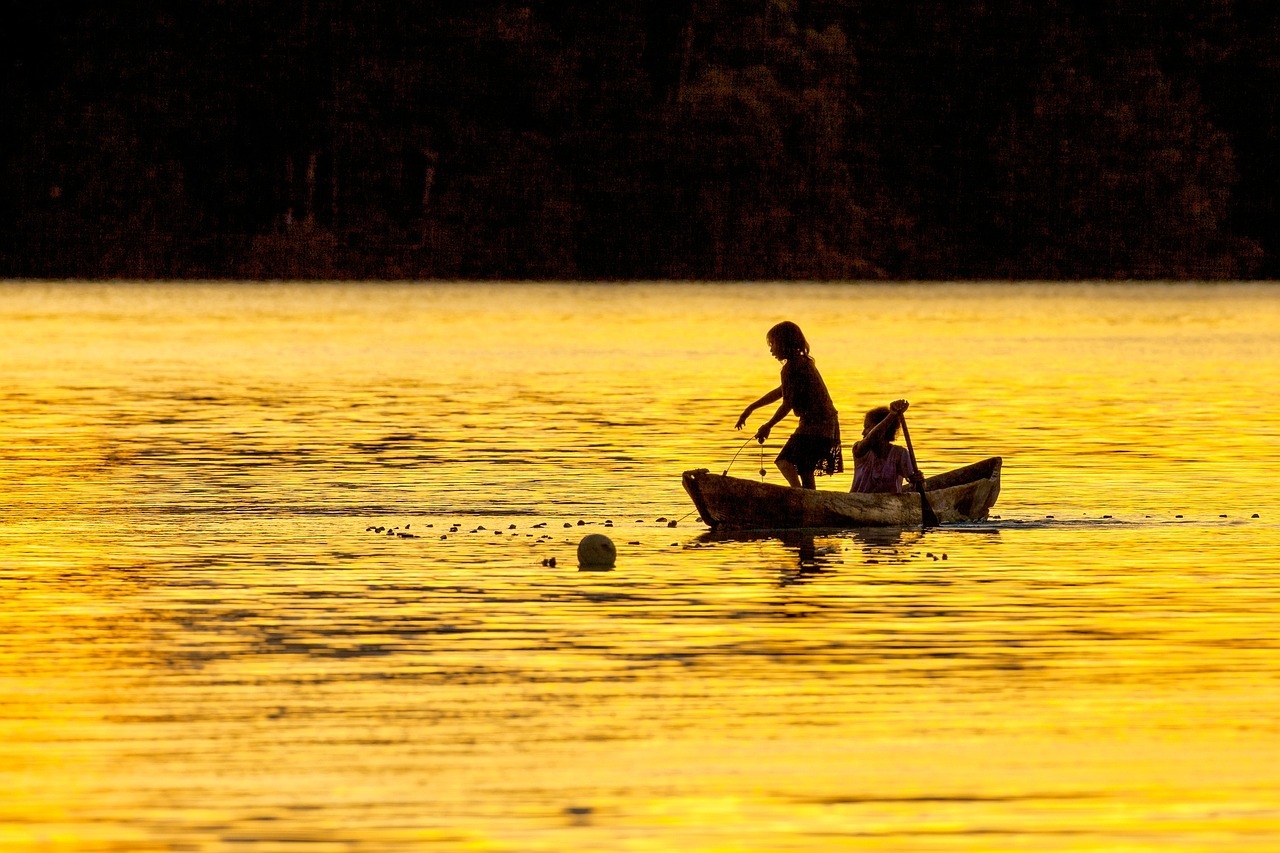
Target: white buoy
596 551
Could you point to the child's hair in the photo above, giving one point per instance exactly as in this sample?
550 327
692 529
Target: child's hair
878 414
788 337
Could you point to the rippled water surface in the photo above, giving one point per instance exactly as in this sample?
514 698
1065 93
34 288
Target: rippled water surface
204 646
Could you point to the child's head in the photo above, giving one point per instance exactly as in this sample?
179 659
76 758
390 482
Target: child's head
787 339
874 417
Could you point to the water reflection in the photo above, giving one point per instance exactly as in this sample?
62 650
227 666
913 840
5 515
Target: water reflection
203 645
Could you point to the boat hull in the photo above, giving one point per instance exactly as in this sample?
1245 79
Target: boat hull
965 494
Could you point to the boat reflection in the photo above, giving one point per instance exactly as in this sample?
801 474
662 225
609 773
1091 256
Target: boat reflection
816 551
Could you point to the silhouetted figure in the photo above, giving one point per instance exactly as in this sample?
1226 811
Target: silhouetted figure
815 445
879 465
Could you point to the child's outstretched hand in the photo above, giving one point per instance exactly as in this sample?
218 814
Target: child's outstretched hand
898 406
742 420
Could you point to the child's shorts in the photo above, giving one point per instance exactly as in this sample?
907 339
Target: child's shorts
814 453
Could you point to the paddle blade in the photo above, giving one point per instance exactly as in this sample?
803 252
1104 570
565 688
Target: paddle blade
928 518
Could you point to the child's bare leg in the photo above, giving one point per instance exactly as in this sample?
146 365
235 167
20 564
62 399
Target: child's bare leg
807 480
789 471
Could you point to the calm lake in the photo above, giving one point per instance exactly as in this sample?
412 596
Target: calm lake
204 647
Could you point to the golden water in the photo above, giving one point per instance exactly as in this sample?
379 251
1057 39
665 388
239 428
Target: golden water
203 647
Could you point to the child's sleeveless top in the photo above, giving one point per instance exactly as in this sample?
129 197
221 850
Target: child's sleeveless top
872 473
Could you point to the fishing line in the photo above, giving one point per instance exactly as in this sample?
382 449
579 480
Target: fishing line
686 515
740 449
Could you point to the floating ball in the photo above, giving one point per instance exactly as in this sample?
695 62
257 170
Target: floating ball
596 550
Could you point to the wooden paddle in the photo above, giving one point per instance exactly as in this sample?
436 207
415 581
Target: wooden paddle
927 516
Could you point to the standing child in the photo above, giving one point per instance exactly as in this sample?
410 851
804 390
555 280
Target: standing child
879 465
815 445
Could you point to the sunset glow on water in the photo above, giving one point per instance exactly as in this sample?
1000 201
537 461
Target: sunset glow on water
203 646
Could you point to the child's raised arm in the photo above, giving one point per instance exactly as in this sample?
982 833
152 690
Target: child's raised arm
896 408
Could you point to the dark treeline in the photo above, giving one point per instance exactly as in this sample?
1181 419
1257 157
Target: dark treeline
641 139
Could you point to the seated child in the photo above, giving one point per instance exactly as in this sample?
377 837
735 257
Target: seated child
878 465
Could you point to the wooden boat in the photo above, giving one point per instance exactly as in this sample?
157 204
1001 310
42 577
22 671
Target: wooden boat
965 494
